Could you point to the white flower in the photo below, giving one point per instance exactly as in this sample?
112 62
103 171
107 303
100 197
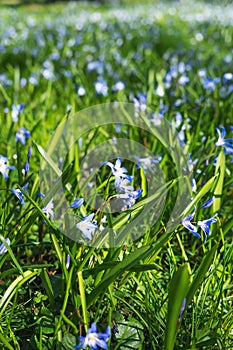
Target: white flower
48 209
87 226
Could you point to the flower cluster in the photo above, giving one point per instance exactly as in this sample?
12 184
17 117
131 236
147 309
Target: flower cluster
123 186
204 224
125 193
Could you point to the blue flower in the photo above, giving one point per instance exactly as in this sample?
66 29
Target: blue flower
29 152
228 76
16 110
81 91
209 83
124 185
21 135
182 310
226 143
128 194
129 198
208 203
67 261
118 171
93 339
87 226
48 209
3 249
183 80
148 162
139 104
101 87
41 195
77 203
4 167
194 185
26 167
19 194
186 222
205 225
118 127
120 85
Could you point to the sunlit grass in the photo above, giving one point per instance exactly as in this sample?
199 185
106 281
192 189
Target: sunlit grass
56 61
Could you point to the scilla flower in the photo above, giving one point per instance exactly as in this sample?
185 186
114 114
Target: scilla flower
226 143
3 248
93 339
186 222
21 135
209 83
208 203
19 193
118 171
77 203
49 209
16 110
87 226
204 224
4 167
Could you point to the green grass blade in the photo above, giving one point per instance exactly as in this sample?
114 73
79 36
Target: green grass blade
5 342
11 255
48 286
14 286
206 188
220 168
177 292
200 274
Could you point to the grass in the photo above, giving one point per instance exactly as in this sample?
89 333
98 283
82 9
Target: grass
136 276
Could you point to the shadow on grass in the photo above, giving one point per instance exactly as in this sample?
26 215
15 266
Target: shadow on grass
18 3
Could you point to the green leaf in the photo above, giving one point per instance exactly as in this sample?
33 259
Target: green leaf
14 286
200 274
128 263
11 254
206 188
130 334
111 264
5 342
220 168
68 342
177 292
48 286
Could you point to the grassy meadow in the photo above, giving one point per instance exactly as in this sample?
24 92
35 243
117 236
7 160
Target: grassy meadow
116 187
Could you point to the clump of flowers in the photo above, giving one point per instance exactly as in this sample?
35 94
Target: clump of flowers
193 226
124 192
123 186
